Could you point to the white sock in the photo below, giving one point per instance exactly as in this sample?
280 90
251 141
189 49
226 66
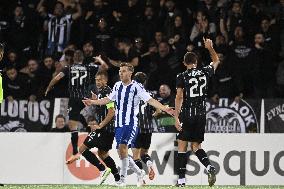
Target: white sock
181 181
133 166
208 167
124 166
149 164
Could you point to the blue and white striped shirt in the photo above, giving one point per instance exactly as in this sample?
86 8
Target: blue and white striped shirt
127 98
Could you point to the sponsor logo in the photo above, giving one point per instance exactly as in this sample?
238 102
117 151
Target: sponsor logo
81 169
230 117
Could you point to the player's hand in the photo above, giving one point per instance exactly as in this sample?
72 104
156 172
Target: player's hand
208 44
94 96
170 111
10 98
32 98
178 124
87 102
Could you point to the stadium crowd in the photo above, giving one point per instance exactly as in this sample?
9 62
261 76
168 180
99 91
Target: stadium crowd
41 36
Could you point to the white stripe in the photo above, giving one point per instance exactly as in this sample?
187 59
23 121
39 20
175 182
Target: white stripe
121 106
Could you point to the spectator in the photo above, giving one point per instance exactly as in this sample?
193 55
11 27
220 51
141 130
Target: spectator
264 69
223 83
166 63
12 60
102 37
159 37
240 60
58 27
164 121
88 50
35 79
20 31
16 85
148 24
60 125
45 72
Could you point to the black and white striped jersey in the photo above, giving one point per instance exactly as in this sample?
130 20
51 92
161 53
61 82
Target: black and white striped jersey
145 117
194 83
80 77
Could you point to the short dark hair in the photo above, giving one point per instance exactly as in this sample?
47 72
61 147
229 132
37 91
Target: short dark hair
59 116
127 41
190 58
128 65
102 73
88 42
140 77
10 67
69 53
59 2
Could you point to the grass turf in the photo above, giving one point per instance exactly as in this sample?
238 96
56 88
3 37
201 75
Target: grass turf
130 187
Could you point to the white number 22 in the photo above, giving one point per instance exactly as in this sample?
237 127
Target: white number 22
194 92
76 75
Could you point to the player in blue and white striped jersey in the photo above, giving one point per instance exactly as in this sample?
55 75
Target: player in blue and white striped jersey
127 95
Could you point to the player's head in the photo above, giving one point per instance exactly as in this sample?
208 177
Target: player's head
125 72
60 121
101 79
1 51
190 59
140 77
11 72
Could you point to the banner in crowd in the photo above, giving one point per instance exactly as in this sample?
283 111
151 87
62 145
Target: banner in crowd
228 116
24 115
274 115
239 160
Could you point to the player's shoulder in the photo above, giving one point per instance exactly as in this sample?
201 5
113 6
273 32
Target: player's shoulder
138 85
92 64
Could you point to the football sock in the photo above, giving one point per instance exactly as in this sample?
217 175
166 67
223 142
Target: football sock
124 167
138 162
111 164
133 166
182 161
74 141
202 156
92 158
147 160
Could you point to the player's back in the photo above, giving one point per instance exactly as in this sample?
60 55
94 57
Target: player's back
195 86
81 76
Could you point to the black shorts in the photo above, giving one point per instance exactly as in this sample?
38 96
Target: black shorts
193 129
75 106
102 140
143 140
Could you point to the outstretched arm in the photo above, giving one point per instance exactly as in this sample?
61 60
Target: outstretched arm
215 59
178 104
160 106
102 101
54 81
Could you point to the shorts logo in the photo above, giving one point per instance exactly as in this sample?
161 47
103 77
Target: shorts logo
230 117
275 112
81 169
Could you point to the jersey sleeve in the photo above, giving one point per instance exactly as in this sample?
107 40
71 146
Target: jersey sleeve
209 70
142 93
112 95
179 81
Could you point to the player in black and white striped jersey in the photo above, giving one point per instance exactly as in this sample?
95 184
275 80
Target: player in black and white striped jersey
142 144
80 76
192 87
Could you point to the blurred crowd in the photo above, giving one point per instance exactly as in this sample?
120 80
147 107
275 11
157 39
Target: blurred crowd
41 37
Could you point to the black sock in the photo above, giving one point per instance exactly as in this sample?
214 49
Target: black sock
111 164
146 158
182 161
74 141
138 162
92 158
202 156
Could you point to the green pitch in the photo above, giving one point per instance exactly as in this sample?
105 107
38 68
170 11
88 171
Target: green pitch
131 187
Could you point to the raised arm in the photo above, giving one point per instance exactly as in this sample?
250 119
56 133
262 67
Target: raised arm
54 81
215 59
